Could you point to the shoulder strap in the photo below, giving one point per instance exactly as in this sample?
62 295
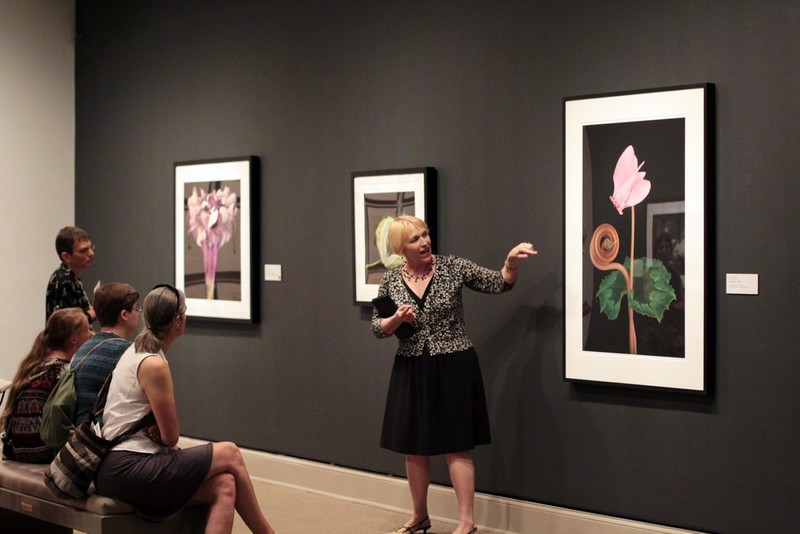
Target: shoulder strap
28 381
88 353
100 402
43 371
34 377
147 420
8 386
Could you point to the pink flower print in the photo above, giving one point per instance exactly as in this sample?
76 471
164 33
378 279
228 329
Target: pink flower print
212 221
630 187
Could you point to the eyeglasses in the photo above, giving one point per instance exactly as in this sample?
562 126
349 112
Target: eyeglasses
138 308
85 250
174 292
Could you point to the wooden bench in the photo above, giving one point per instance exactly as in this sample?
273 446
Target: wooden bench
27 505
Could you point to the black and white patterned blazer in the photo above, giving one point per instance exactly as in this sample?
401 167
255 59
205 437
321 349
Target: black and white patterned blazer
440 322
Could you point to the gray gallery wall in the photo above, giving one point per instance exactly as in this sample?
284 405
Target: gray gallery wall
318 90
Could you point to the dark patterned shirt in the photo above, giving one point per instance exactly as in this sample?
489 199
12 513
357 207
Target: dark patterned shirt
24 422
65 290
440 315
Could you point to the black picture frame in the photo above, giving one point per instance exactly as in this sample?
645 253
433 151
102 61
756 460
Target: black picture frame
376 195
641 323
216 237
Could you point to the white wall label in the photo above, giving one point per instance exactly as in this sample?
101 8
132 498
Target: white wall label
272 273
741 284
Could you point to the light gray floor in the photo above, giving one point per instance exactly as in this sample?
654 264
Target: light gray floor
294 511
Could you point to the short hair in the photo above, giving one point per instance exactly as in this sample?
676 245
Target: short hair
401 228
68 236
110 299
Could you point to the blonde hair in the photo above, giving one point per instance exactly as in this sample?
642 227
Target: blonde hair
402 227
161 307
61 325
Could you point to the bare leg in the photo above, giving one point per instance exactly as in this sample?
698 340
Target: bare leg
220 492
227 460
418 471
462 475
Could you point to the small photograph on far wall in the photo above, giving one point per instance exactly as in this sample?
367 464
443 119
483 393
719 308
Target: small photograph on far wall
379 197
666 236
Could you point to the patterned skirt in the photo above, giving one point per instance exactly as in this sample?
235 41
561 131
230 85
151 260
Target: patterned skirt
436 405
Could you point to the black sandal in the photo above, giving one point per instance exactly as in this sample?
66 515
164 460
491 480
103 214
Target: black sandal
419 526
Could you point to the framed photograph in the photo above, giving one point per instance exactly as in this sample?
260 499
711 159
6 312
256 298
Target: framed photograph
378 196
636 178
666 234
215 237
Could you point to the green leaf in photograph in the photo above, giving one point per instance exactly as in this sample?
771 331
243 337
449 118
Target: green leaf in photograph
652 293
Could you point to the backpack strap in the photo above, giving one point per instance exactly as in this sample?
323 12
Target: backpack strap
88 353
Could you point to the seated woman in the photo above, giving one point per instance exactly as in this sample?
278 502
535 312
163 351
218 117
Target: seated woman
146 469
37 375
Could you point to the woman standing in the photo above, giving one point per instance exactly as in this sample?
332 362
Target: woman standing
37 375
146 469
436 402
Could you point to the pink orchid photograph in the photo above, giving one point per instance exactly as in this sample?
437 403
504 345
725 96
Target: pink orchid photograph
214 249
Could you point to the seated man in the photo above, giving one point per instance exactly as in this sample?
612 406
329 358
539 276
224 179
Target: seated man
117 308
65 289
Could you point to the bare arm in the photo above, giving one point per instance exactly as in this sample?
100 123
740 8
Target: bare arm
156 381
520 252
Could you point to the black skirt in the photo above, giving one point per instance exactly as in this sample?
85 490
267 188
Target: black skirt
156 485
436 405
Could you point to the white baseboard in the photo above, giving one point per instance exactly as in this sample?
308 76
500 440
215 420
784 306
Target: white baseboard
499 514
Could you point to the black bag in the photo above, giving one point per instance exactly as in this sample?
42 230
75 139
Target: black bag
8 449
71 473
386 308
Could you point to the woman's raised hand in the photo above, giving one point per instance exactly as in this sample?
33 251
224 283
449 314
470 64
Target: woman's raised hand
520 252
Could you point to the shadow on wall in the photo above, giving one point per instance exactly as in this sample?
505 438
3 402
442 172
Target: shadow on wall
527 362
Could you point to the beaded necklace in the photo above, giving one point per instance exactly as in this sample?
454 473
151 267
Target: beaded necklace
417 277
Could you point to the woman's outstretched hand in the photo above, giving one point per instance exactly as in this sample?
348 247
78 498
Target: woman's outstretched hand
522 251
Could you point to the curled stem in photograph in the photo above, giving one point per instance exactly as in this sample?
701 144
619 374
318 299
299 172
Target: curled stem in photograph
603 250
